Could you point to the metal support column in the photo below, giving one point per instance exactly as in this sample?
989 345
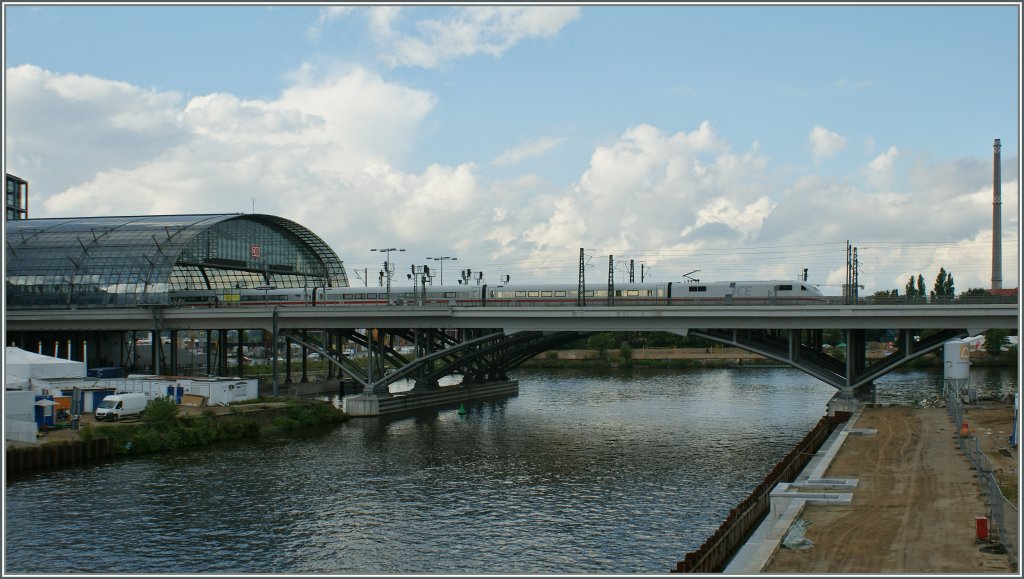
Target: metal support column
611 280
174 353
273 353
240 355
287 361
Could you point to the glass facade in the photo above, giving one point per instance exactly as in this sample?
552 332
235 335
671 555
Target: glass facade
130 261
17 198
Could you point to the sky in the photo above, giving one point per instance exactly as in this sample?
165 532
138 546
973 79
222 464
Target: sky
711 142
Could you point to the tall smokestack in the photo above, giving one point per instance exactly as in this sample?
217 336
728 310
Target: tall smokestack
997 220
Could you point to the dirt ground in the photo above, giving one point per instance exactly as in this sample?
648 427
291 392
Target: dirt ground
915 505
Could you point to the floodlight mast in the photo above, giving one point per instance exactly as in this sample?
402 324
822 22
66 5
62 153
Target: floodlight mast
442 260
389 270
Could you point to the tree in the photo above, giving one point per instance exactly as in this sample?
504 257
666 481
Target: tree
602 341
920 285
972 293
910 290
943 287
883 296
940 284
995 341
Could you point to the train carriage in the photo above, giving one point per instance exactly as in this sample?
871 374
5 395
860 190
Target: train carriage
784 292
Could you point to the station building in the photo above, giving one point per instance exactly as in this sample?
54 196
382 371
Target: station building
140 261
85 262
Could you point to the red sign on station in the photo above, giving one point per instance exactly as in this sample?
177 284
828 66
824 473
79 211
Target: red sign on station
254 251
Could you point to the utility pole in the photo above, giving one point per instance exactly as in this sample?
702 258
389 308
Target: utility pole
418 273
856 276
631 271
852 275
847 287
365 279
581 299
611 280
389 270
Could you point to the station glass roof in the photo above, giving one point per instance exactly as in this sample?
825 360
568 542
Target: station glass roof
142 260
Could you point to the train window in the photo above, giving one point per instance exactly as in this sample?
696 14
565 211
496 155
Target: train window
520 294
449 294
632 292
546 294
559 294
803 288
589 293
358 296
534 294
698 288
371 296
784 288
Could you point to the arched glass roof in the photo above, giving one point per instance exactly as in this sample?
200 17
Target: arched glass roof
128 261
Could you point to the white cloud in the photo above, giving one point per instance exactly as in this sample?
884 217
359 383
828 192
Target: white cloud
64 128
327 15
745 220
527 150
650 190
825 143
877 172
465 32
330 153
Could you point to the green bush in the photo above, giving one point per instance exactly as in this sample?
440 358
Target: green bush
285 423
163 428
160 410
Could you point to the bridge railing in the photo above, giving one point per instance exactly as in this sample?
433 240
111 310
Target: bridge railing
922 300
591 302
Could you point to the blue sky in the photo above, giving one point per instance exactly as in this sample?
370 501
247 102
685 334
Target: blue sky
743 141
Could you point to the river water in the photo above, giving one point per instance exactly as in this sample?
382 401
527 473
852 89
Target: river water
578 473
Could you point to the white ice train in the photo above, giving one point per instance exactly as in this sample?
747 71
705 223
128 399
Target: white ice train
784 292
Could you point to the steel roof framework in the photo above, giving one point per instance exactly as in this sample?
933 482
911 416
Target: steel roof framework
131 261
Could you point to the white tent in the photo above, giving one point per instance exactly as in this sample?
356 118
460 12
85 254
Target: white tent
21 365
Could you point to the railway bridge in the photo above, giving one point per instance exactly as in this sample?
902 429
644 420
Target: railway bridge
482 343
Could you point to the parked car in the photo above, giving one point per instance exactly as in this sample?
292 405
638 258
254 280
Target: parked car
118 406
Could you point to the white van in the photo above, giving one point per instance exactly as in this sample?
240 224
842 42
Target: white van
117 406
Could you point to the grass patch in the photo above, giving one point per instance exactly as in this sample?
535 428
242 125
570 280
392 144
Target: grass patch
163 428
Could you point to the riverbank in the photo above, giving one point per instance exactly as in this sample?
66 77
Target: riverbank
917 497
717 357
166 428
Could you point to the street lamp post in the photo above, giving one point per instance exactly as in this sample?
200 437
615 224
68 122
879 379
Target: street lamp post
387 266
441 259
